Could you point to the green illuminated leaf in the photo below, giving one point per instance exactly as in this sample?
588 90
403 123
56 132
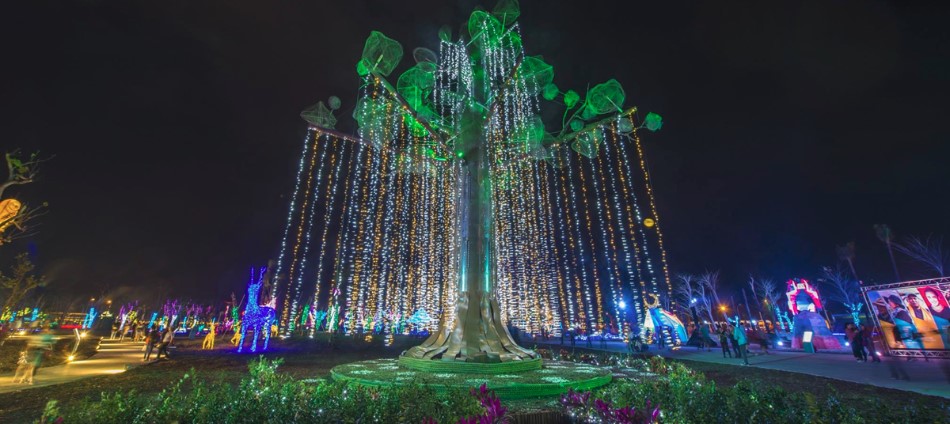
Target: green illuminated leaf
550 92
334 102
624 125
536 72
484 28
445 33
588 143
576 124
653 121
571 98
605 98
507 11
380 53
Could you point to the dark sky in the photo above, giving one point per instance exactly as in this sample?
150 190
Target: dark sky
789 127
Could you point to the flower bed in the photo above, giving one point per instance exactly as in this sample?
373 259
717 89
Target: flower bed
554 379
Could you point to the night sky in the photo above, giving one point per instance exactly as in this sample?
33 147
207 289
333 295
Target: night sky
175 129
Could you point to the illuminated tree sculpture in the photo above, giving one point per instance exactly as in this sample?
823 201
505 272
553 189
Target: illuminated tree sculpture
454 198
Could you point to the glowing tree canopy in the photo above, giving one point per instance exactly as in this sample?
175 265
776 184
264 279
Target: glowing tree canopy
455 198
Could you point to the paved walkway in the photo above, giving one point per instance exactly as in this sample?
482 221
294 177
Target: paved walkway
929 378
113 357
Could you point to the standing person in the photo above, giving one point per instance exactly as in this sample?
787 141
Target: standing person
150 340
704 333
867 334
115 330
724 342
167 338
743 342
24 370
857 344
730 332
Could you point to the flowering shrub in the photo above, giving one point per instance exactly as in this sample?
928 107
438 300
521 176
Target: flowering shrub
265 396
580 408
494 412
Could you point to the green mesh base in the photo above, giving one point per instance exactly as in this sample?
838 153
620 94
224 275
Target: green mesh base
553 379
461 367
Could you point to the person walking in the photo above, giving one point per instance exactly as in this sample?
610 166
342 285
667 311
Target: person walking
724 342
150 341
743 342
167 338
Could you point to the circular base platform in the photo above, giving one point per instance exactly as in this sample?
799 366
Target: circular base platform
552 379
462 367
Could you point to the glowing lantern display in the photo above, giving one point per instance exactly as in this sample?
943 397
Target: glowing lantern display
798 287
649 222
9 208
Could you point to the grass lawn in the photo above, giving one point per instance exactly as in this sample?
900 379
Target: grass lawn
307 359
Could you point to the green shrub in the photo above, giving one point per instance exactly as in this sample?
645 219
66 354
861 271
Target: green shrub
266 396
686 396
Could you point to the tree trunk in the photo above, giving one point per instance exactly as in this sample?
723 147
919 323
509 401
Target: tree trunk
474 330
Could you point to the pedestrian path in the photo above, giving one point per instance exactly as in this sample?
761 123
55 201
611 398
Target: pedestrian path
926 377
113 357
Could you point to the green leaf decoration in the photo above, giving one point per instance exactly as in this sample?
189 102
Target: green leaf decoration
624 125
445 33
653 121
380 54
536 72
605 98
333 102
422 54
588 113
507 11
319 115
416 84
571 98
588 143
484 28
576 124
533 130
550 92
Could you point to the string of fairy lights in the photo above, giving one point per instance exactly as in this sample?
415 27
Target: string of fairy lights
576 240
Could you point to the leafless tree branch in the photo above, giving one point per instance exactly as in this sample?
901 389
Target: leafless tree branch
928 251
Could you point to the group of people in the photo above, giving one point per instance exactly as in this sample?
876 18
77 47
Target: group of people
862 345
135 331
733 339
31 358
158 339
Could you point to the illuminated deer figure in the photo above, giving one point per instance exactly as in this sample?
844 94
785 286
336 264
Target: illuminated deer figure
257 319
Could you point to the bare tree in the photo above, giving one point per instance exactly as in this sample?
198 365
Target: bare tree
886 236
928 251
846 254
770 293
843 289
710 281
20 282
691 293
